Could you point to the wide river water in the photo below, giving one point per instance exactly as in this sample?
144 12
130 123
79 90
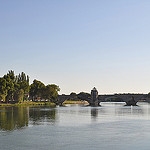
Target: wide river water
112 126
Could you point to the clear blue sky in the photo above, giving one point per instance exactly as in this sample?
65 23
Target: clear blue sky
78 44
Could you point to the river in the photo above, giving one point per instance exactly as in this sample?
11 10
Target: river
112 126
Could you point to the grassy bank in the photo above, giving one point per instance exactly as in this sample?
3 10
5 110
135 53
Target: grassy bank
27 103
31 104
75 102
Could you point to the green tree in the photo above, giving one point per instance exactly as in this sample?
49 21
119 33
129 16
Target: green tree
22 82
19 95
84 96
37 89
73 94
11 75
9 87
3 90
51 92
14 84
73 97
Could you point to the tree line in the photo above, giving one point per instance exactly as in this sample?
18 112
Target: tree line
16 88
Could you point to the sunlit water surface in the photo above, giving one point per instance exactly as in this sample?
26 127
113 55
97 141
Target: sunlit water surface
112 126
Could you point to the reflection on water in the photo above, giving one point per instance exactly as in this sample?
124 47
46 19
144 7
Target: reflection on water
112 126
94 112
13 117
40 115
18 117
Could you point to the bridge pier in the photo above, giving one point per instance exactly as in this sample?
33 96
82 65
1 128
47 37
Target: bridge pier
94 98
131 102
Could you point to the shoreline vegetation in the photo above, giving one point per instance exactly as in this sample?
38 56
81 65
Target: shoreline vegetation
30 103
16 89
75 102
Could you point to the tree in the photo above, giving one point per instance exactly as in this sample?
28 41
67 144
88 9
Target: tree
3 90
36 89
51 92
11 74
14 84
17 88
19 95
73 97
73 94
84 96
9 86
54 89
22 82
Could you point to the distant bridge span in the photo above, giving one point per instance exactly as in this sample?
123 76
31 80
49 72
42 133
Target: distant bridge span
129 99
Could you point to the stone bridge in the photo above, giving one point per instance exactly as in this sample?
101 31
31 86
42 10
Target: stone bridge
94 99
130 99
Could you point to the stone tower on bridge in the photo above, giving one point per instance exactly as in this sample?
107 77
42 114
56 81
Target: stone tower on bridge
94 97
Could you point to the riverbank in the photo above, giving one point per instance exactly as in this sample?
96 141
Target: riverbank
75 102
28 103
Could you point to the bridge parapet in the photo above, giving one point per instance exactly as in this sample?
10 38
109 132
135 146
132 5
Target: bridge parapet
130 99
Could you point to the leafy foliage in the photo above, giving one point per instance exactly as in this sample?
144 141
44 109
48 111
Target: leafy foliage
19 95
17 88
3 90
11 86
38 89
84 96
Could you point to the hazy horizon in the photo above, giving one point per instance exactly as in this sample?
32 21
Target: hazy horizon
78 45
